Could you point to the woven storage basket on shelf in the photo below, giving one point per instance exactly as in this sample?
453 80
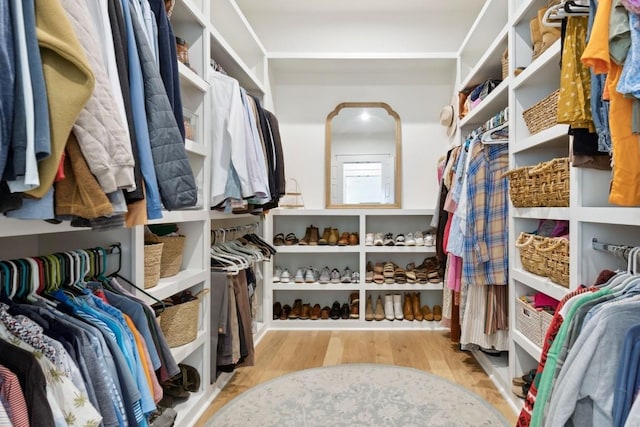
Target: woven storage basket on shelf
179 323
545 184
528 321
171 253
532 260
555 253
152 258
505 64
551 180
543 114
545 321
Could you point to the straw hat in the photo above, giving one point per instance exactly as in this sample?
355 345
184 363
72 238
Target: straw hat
448 119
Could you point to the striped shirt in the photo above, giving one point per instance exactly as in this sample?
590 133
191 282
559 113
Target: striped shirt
12 399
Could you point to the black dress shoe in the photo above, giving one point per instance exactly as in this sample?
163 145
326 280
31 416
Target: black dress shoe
345 311
335 310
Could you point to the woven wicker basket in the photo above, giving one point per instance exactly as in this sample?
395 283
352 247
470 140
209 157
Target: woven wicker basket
543 114
171 253
152 258
532 260
179 323
555 252
505 64
528 322
545 184
545 322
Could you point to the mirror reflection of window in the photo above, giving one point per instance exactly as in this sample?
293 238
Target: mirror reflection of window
362 183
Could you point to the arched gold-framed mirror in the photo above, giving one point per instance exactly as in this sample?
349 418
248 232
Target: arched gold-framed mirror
363 152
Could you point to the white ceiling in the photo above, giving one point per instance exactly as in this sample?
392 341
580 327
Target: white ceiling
385 6
350 26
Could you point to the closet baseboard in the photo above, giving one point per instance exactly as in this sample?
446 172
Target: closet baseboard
498 372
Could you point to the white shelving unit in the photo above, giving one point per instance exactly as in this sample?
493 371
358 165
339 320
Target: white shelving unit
193 21
355 257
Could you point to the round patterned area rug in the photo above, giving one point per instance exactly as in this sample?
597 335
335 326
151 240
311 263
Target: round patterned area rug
357 395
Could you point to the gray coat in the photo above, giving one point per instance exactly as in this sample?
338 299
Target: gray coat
175 178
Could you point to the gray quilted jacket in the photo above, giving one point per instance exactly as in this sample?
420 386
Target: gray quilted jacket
175 178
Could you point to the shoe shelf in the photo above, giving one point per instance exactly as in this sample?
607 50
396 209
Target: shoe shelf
311 249
400 249
315 286
355 257
402 287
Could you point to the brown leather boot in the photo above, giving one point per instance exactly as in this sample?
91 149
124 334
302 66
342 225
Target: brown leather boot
407 309
354 239
437 313
417 314
368 314
315 312
314 236
379 315
307 236
296 310
324 240
334 237
426 313
305 314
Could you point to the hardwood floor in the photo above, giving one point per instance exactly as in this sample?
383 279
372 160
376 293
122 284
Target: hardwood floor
281 352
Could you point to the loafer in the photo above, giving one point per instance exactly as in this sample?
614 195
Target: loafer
335 310
345 311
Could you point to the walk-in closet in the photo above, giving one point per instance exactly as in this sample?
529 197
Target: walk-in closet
224 213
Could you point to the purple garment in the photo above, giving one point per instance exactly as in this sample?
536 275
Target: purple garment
632 6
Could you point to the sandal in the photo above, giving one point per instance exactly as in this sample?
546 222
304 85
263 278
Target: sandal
378 276
278 239
400 276
291 239
521 391
388 273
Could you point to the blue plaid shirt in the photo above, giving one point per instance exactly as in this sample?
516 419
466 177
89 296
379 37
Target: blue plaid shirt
486 258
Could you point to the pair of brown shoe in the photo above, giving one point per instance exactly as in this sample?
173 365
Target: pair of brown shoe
332 237
430 315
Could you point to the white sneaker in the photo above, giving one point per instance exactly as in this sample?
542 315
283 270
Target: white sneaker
325 275
368 239
346 276
397 306
335 276
299 277
285 276
378 239
418 236
355 277
276 275
428 240
388 307
409 240
310 275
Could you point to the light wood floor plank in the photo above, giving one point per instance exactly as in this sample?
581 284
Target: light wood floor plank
281 352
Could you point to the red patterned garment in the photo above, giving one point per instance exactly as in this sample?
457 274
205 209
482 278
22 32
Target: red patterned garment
524 419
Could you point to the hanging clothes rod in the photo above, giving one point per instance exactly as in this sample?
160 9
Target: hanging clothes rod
621 251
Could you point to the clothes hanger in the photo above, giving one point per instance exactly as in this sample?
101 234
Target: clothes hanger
225 263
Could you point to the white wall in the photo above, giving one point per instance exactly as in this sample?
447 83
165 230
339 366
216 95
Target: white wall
303 100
